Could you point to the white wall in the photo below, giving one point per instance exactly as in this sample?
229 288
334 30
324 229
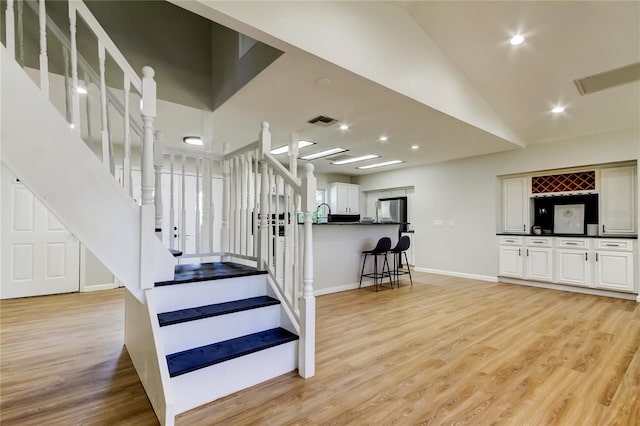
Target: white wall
465 194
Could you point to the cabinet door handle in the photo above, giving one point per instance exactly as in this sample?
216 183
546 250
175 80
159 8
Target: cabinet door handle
527 252
537 242
519 252
571 244
596 257
524 227
603 229
509 241
612 245
586 257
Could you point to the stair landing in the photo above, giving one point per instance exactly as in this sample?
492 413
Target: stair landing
193 272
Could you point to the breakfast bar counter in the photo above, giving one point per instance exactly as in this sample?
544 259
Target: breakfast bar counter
337 249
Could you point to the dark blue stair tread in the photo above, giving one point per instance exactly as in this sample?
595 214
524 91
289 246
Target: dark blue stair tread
194 272
191 314
205 356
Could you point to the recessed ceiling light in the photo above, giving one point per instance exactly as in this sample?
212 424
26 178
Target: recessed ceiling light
354 159
386 163
414 147
516 40
323 82
321 154
285 148
193 140
557 110
344 126
383 138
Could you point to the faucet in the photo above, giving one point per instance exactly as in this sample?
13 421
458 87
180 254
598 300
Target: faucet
318 209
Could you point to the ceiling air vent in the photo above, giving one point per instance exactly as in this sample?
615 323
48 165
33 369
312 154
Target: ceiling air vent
323 121
605 80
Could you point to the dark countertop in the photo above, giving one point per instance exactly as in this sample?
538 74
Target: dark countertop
359 223
628 236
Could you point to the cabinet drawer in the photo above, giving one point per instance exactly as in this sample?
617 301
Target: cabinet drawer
617 245
510 241
539 242
574 243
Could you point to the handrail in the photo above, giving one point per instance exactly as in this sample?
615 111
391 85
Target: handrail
90 20
86 67
247 148
284 173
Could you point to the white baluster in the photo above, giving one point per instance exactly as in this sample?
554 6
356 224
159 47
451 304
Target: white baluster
172 212
90 141
106 161
67 86
211 206
232 205
263 230
243 203
183 211
10 29
158 162
249 207
197 221
75 96
306 359
297 270
127 137
256 201
224 234
44 61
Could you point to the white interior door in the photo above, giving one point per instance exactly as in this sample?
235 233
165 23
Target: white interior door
39 255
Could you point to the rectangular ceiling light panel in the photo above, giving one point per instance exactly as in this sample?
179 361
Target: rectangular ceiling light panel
322 154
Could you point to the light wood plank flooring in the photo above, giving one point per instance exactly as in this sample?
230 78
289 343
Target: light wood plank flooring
445 351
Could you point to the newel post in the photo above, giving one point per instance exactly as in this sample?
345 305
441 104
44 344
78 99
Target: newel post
147 209
158 162
264 147
307 347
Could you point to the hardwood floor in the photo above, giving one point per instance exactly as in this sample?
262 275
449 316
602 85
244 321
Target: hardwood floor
445 351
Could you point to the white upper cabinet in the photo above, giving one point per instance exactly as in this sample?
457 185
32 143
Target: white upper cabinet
618 200
515 205
344 198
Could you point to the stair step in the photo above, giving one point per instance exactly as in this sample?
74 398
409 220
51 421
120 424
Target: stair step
205 356
193 272
191 314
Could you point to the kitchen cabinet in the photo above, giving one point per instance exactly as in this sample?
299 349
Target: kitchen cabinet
344 198
510 257
515 204
539 265
618 200
572 261
614 265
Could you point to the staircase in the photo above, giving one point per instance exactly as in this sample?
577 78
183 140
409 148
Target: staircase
194 332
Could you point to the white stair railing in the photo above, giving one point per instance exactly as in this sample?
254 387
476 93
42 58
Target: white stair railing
279 237
145 91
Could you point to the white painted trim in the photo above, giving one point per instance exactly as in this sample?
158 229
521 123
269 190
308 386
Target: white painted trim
572 289
488 278
344 287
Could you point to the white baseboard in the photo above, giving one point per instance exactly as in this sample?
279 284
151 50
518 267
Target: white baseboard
458 274
344 287
572 289
95 287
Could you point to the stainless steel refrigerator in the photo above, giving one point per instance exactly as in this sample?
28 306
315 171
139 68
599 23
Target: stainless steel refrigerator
392 210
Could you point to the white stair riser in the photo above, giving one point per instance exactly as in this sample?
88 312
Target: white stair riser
208 384
190 295
193 334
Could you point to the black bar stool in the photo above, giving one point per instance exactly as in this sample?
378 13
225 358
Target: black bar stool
403 245
381 249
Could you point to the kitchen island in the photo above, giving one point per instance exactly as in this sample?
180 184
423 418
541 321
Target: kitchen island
337 252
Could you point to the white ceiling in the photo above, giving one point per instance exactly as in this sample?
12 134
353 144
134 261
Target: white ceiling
565 41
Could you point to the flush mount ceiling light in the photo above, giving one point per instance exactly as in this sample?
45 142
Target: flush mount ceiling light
516 40
386 163
285 148
557 110
354 159
322 154
414 147
193 140
344 126
383 138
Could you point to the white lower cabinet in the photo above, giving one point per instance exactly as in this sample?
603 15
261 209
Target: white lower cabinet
573 267
606 264
614 270
539 264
